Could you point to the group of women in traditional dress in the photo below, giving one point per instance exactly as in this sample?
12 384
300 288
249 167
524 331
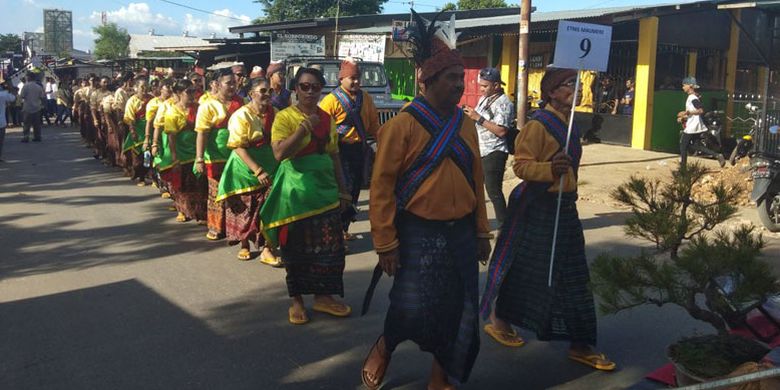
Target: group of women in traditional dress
255 171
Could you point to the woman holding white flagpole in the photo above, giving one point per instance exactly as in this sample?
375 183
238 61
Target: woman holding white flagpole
535 287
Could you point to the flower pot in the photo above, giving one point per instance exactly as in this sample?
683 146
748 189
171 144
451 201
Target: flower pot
715 355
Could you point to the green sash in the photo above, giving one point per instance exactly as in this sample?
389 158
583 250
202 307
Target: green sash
185 146
164 158
238 179
303 187
217 150
135 138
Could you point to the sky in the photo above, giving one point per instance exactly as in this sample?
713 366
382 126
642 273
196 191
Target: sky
138 17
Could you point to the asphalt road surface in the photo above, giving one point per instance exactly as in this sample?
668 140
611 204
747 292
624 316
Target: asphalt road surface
101 289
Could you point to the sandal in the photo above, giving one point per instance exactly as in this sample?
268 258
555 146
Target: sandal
598 361
165 195
297 319
335 309
272 261
211 236
244 254
507 339
181 217
379 372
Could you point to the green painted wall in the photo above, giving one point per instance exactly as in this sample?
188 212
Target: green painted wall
400 71
666 105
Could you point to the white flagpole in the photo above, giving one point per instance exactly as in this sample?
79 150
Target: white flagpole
560 184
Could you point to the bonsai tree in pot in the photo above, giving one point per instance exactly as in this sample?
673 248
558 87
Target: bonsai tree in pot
694 266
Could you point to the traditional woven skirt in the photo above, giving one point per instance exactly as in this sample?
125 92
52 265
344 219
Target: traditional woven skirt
216 210
242 217
433 301
191 194
565 311
113 144
313 253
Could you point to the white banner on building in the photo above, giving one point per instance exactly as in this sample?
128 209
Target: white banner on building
367 47
291 45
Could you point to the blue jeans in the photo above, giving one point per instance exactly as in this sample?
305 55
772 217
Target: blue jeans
63 112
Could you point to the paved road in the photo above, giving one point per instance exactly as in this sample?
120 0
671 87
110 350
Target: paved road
101 288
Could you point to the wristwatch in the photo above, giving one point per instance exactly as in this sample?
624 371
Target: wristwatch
481 120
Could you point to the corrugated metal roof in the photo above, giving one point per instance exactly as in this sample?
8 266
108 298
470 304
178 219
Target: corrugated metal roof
144 42
536 17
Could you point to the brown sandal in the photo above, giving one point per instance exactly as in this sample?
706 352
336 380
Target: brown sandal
380 371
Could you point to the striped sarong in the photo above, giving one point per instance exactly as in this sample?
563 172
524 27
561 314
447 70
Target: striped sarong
566 311
433 301
313 253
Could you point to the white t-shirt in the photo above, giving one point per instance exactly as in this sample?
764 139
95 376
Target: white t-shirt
694 124
51 91
500 112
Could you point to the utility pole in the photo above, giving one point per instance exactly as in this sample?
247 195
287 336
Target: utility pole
522 62
336 32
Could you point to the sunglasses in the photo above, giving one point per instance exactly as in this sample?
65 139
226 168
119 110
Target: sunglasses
262 91
306 87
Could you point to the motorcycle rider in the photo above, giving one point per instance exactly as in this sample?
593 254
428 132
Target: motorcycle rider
694 126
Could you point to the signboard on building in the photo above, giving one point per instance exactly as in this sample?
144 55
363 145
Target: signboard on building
58 31
364 46
290 45
536 61
400 33
582 46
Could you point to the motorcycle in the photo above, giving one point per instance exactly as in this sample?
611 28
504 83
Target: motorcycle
744 144
711 139
766 190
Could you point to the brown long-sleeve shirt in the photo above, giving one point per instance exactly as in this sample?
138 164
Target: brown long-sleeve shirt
445 195
534 150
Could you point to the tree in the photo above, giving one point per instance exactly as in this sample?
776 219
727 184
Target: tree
10 42
113 42
475 4
676 217
278 10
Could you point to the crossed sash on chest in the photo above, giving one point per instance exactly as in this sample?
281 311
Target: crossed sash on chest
445 142
521 197
352 107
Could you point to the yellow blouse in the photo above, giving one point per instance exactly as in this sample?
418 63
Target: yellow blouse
245 127
205 97
210 114
152 107
132 107
287 122
120 99
175 119
159 118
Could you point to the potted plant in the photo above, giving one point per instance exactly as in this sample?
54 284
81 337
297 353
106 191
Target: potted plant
693 266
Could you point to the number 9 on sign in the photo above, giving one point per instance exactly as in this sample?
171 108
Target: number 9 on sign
585 47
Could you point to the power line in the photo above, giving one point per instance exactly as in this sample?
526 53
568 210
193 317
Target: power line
202 10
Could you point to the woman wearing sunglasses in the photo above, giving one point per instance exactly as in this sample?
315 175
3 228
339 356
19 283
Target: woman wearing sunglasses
248 172
303 210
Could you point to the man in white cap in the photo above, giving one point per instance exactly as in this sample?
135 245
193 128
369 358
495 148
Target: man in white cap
694 126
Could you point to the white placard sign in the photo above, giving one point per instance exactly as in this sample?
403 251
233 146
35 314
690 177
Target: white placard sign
582 46
363 46
289 45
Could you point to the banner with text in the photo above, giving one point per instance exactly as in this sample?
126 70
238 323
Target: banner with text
582 46
364 46
291 45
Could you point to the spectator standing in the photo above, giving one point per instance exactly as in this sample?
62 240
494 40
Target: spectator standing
493 115
51 100
627 102
33 99
6 98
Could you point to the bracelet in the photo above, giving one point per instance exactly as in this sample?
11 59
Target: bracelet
258 172
199 160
